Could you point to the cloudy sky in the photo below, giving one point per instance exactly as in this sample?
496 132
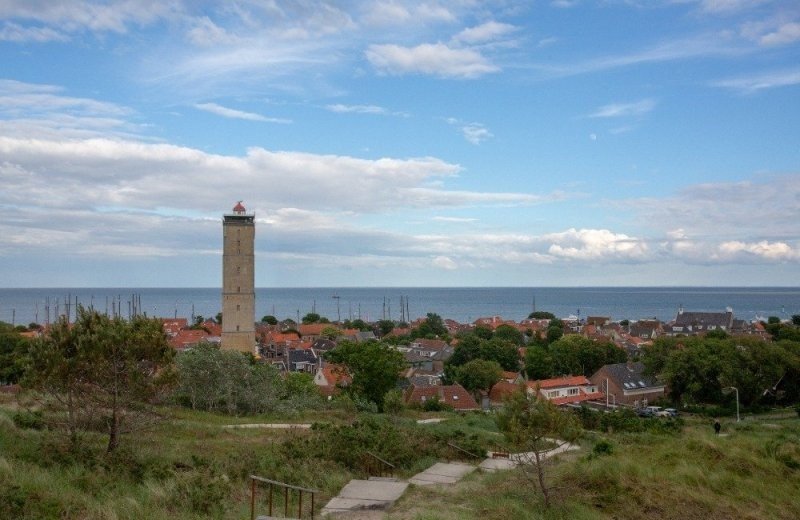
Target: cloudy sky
401 143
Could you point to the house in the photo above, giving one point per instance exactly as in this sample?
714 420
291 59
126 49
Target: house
626 383
312 331
566 390
331 377
501 390
598 321
694 323
188 338
646 329
455 396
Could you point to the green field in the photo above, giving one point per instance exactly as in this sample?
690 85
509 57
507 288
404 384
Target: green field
189 466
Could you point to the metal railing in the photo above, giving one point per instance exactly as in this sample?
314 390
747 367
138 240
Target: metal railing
498 452
462 450
378 467
286 487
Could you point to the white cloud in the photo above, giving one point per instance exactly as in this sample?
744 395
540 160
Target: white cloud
783 35
729 6
237 114
596 244
637 108
476 133
444 262
763 81
12 32
435 59
764 250
486 32
363 109
455 219
98 16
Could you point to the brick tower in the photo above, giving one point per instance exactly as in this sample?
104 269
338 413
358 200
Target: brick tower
238 280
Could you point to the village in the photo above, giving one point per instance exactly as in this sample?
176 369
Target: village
300 348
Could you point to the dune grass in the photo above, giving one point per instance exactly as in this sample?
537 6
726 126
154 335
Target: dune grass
189 467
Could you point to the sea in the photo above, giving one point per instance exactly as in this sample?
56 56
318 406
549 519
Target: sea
463 304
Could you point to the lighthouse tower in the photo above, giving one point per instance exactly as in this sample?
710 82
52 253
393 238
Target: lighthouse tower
238 280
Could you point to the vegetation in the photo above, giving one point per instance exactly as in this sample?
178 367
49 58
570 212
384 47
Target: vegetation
12 351
532 427
478 374
375 368
697 369
102 369
570 355
231 382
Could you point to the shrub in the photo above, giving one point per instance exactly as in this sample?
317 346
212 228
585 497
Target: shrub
29 420
602 447
393 402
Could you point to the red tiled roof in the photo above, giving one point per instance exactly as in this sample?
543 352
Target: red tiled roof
452 395
501 389
313 329
560 381
335 375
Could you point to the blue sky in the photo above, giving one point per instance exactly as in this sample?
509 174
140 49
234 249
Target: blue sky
398 143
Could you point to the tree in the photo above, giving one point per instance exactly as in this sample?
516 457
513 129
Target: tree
331 332
109 367
269 320
229 381
311 317
218 318
541 315
431 325
482 332
479 374
13 349
533 426
385 326
796 320
510 334
375 367
538 363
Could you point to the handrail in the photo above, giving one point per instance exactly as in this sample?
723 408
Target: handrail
286 487
379 470
459 448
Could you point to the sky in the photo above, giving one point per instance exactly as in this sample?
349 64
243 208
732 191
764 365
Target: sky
401 143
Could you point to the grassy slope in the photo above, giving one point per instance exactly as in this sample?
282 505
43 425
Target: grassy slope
190 467
752 472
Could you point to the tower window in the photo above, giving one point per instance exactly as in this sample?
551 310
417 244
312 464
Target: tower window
237 307
237 328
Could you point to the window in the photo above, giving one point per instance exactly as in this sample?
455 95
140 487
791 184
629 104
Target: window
237 328
237 307
552 394
573 391
455 398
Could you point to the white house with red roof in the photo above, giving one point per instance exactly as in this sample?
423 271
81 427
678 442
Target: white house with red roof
566 390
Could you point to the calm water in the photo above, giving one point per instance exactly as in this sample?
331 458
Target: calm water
462 304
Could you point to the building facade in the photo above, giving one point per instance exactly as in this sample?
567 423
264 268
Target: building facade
238 280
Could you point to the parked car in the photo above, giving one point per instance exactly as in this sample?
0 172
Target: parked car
670 412
644 412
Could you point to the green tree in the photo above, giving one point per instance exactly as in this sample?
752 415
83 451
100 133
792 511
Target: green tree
385 326
109 367
796 320
228 381
13 349
432 325
538 362
269 320
375 367
311 317
331 332
508 333
532 426
479 374
541 315
482 332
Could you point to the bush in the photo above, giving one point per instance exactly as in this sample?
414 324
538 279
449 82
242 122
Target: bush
29 420
393 402
602 447
436 405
